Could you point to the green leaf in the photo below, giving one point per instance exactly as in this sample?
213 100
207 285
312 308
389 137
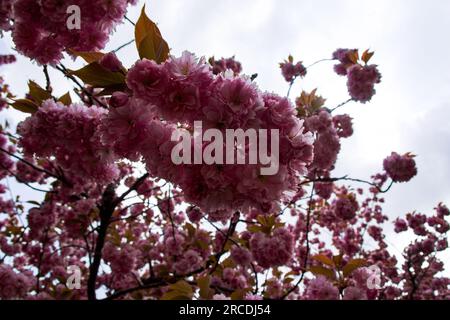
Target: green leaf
324 259
38 93
288 280
174 295
97 76
338 261
182 286
322 271
179 291
25 105
65 99
89 57
254 228
190 229
203 283
367 55
238 295
149 42
352 265
228 263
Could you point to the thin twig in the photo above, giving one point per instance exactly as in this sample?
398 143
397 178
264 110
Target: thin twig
290 87
317 62
67 74
134 187
30 164
123 46
341 105
346 178
25 183
48 86
305 260
126 18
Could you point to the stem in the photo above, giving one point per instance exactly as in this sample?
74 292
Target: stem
317 62
290 87
345 178
47 79
106 211
341 105
126 18
67 74
25 183
123 46
231 229
41 258
132 188
30 164
305 261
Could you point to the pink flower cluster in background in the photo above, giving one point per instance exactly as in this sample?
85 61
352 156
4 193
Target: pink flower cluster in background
361 79
40 28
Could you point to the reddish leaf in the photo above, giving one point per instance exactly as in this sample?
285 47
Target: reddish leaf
149 42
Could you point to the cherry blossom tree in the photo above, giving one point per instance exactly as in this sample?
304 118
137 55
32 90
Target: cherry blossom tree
118 219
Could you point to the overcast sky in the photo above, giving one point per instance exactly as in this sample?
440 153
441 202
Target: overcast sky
409 113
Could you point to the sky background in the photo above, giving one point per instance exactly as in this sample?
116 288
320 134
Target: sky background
409 113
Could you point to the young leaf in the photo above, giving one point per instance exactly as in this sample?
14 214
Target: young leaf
238 295
353 55
352 265
179 291
89 57
97 76
338 261
254 228
182 287
174 295
25 105
324 259
38 93
65 99
149 42
203 284
322 271
366 56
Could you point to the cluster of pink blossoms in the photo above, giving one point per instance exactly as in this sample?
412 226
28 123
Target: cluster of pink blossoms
4 93
321 288
291 70
41 219
70 134
6 163
40 28
25 173
224 64
400 168
361 79
272 251
14 285
7 59
184 90
328 130
6 14
346 206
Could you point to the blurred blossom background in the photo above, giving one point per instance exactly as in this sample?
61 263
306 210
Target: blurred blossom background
409 113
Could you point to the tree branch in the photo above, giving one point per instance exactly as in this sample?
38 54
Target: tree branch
106 211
